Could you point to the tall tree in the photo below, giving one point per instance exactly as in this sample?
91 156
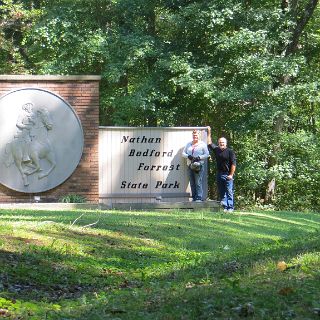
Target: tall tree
299 20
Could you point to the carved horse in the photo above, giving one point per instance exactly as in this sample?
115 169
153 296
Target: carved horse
39 147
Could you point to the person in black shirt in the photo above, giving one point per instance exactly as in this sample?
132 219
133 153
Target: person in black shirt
226 167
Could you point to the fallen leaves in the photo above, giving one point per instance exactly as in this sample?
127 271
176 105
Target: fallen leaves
316 311
231 266
282 266
244 310
286 291
4 313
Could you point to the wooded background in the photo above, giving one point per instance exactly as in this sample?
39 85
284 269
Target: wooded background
249 69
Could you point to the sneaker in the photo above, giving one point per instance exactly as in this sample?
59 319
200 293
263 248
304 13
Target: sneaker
198 200
230 210
225 210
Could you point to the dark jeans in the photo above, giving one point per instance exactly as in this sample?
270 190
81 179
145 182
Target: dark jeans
225 188
196 183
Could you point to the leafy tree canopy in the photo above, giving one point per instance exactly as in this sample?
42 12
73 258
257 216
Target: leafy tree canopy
249 69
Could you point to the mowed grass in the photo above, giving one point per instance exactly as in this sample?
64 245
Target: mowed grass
159 265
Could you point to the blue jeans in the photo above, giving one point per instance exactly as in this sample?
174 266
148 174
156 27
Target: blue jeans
225 188
196 183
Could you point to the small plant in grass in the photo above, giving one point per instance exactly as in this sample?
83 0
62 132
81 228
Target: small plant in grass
73 198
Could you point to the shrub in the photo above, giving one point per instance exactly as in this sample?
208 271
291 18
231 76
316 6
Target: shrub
72 198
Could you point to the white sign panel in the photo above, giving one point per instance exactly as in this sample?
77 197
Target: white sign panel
144 164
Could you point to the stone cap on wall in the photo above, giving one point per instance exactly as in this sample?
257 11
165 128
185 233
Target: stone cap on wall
29 77
151 128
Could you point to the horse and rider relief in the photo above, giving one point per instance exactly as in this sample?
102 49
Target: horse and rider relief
31 143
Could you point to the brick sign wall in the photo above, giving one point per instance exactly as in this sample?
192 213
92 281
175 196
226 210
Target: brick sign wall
82 94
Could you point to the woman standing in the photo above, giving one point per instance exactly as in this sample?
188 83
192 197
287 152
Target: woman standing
196 152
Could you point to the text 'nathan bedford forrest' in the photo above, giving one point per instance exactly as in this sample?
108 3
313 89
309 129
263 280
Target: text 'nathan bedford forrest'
149 153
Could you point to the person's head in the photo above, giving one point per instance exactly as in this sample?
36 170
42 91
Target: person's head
27 107
195 135
222 143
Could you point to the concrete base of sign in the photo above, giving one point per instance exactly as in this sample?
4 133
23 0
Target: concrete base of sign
57 206
53 206
209 205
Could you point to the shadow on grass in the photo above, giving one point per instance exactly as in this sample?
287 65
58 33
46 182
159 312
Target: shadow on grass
127 252
233 289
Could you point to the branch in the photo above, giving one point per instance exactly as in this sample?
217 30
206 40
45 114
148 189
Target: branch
76 220
91 224
310 7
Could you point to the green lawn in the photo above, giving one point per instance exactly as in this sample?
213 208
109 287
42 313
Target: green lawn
159 265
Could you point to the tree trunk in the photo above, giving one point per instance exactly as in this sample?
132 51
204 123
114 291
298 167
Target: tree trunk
301 22
273 159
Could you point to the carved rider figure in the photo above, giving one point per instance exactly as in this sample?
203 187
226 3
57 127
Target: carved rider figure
25 123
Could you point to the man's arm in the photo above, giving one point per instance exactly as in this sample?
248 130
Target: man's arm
233 166
232 171
209 140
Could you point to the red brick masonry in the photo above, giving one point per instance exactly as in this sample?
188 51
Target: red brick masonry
82 93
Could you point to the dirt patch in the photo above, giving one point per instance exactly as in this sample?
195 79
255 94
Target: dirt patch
36 242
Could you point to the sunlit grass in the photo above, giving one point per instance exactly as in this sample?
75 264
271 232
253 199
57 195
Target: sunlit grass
158 265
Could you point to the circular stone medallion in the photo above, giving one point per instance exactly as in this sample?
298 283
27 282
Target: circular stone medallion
41 140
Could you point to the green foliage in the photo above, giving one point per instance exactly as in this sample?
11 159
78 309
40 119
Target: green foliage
16 19
299 172
73 198
241 67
